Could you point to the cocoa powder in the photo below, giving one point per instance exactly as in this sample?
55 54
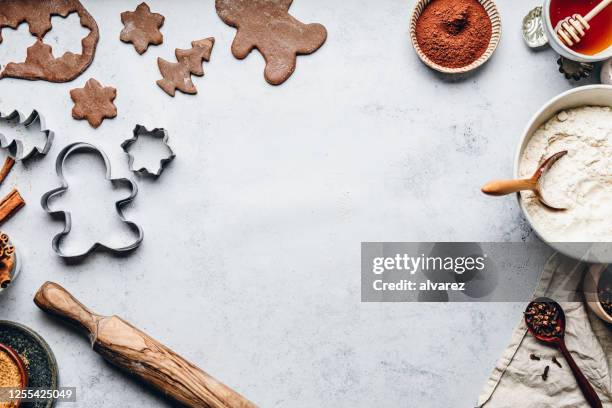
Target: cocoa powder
453 33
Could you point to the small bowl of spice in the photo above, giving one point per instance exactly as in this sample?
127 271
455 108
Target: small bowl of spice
455 36
13 375
597 288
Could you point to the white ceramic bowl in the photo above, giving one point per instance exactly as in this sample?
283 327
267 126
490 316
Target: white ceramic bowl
594 95
563 50
591 291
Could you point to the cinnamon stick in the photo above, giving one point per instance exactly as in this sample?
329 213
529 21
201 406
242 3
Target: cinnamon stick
6 267
10 204
7 260
6 168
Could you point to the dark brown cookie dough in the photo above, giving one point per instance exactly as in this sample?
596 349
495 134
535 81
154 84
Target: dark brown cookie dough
177 75
40 63
268 26
94 102
141 28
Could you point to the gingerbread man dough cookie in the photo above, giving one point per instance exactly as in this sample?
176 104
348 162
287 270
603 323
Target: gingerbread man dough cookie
141 28
94 102
268 26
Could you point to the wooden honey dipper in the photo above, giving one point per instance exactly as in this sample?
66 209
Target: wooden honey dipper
571 29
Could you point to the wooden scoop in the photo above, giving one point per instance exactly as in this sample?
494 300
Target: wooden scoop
134 351
503 187
572 29
558 341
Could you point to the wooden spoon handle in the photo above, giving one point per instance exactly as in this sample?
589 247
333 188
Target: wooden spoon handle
54 299
503 187
583 382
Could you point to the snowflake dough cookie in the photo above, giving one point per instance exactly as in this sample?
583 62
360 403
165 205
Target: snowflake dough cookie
141 28
94 102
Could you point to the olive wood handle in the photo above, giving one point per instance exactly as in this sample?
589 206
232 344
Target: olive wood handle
136 352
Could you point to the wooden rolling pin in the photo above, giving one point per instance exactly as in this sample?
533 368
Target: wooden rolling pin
134 351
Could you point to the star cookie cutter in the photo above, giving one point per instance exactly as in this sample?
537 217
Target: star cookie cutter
65 215
158 133
15 146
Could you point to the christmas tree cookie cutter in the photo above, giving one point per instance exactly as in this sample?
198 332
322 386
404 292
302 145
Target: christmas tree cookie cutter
65 217
158 133
16 146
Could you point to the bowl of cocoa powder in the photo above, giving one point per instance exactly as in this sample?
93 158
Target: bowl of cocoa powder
455 36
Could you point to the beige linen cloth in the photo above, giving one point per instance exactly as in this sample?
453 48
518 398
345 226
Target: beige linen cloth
516 381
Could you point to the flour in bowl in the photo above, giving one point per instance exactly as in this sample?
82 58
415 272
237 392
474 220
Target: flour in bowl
581 181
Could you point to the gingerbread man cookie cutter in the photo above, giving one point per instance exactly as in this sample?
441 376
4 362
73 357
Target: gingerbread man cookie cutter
16 146
65 216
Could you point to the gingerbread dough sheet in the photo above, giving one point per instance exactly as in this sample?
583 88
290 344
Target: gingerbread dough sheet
40 63
268 26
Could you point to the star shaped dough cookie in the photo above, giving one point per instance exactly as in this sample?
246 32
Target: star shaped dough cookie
141 28
94 102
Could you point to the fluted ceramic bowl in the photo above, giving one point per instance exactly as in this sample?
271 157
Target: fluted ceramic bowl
493 13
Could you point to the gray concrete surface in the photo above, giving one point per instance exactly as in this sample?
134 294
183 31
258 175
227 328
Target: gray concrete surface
250 265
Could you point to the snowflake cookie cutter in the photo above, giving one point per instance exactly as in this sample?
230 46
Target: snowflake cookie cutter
158 133
15 146
65 217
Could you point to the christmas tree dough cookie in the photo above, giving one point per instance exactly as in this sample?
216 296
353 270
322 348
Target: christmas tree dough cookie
177 75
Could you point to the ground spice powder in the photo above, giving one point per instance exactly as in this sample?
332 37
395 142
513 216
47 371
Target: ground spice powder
9 372
453 33
9 376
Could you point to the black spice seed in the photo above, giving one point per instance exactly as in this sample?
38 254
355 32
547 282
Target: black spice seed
544 319
534 357
545 374
554 360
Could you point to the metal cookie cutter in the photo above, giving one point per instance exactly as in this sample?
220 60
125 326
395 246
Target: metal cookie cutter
15 146
573 69
158 133
65 215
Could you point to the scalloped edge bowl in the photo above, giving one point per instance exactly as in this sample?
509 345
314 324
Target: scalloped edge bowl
495 18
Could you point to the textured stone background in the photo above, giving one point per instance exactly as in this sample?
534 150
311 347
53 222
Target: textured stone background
250 265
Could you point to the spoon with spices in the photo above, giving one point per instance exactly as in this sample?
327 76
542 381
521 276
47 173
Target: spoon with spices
545 321
504 187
